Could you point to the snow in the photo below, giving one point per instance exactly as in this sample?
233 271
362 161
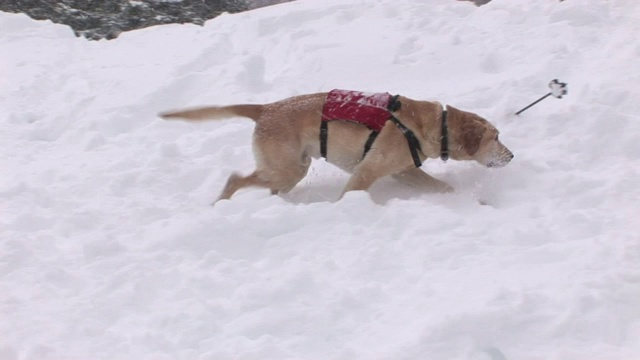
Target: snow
109 248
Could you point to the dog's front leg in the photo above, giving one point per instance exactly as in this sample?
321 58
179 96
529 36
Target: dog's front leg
364 175
421 180
360 180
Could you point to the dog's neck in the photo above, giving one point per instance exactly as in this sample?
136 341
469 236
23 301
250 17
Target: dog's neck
430 127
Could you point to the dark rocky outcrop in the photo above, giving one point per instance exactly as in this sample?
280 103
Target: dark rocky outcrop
106 19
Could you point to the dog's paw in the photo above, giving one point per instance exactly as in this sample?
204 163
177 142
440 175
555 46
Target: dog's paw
444 188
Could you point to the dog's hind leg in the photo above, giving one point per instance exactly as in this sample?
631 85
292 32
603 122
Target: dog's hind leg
278 181
287 176
280 158
237 182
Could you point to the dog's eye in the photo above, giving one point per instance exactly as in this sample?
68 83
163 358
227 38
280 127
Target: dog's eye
497 137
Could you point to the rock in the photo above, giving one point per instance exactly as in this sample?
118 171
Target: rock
106 19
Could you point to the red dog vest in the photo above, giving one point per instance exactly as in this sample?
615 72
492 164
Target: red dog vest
371 110
368 109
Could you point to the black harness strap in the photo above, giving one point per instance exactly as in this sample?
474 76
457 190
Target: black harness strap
369 143
412 141
324 134
444 138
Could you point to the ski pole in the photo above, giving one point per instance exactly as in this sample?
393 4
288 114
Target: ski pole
557 90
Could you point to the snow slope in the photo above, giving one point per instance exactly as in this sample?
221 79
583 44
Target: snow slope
109 248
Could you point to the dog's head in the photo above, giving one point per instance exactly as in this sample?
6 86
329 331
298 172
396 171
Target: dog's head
473 138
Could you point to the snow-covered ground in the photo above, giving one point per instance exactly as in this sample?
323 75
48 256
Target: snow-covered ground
109 248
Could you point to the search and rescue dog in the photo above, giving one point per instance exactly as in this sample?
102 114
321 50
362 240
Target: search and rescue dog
367 135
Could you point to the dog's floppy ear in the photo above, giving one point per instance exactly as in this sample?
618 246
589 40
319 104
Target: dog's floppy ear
472 133
470 130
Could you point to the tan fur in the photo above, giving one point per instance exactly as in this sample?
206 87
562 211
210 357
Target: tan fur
287 133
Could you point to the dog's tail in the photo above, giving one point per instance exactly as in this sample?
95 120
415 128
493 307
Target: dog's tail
215 113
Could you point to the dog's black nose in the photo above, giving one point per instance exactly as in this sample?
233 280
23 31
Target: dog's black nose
511 156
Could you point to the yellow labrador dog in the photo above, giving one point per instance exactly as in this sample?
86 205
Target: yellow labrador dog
290 132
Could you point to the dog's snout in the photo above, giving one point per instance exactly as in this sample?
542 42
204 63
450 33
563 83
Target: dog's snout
502 159
507 158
